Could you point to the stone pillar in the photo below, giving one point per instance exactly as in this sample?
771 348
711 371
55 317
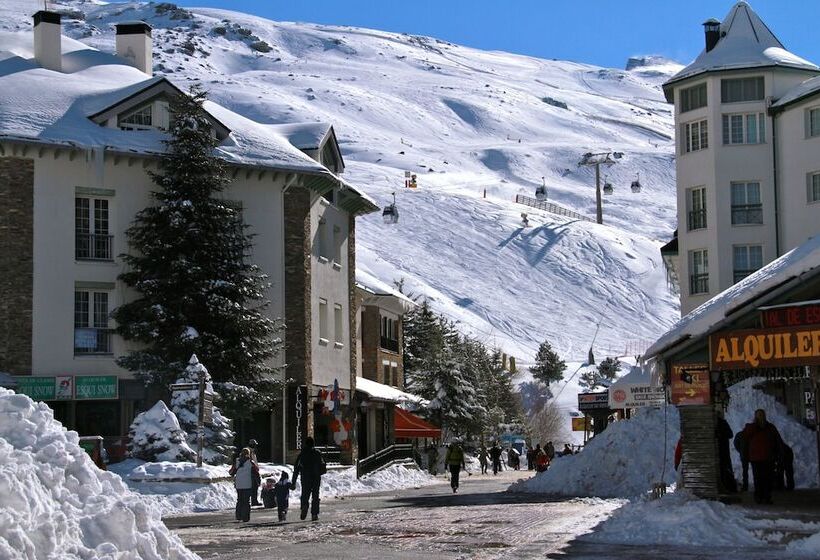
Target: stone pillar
16 264
350 456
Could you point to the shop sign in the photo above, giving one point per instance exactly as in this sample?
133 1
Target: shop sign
794 316
298 415
593 401
765 348
579 424
38 388
690 384
633 395
96 387
63 388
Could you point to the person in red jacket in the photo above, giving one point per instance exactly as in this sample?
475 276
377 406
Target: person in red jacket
763 447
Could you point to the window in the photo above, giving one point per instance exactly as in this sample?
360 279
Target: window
699 266
741 89
389 339
337 244
91 332
814 186
746 259
744 129
695 136
813 122
141 119
386 373
693 98
321 240
324 334
697 208
91 239
338 325
394 374
746 205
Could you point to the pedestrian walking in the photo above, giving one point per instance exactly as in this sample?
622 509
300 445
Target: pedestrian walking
742 447
785 468
542 461
530 458
432 459
724 436
257 479
482 458
515 458
455 462
549 449
495 456
243 471
311 465
282 495
764 447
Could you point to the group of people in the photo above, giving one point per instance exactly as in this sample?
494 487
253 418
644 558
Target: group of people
760 445
247 479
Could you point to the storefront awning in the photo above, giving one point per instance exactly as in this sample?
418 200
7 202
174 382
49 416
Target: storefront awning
408 425
386 393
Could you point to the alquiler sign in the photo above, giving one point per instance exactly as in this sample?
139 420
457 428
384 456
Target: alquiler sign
765 348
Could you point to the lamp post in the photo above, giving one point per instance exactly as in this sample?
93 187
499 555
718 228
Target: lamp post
597 160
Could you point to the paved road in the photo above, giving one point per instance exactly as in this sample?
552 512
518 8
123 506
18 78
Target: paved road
482 521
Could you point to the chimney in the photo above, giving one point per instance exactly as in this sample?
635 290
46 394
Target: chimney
134 45
712 29
48 49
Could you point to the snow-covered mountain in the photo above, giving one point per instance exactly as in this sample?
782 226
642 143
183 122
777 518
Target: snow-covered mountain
467 122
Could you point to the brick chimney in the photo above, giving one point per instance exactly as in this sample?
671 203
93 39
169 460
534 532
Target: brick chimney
48 50
134 44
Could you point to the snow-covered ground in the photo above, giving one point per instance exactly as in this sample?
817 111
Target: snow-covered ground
465 121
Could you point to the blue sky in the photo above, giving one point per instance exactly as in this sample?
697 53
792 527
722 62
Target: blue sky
599 32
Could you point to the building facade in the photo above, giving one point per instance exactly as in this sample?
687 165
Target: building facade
745 161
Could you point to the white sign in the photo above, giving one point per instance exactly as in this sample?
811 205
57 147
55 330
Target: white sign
633 395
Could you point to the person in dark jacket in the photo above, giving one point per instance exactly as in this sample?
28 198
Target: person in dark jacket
282 495
763 441
549 449
724 436
784 468
495 455
257 480
311 465
482 458
530 458
454 459
743 450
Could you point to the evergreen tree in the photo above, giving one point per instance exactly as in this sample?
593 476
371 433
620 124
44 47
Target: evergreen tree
423 346
535 396
456 400
218 444
502 391
548 366
196 290
155 435
603 375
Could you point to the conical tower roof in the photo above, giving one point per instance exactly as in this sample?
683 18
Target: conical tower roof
745 42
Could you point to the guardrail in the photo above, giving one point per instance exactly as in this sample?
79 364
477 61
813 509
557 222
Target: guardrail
550 207
391 453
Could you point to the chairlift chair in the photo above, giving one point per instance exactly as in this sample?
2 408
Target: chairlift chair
636 184
390 214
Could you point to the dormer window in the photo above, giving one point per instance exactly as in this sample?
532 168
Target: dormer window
141 119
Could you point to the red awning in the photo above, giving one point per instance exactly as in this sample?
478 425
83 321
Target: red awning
411 426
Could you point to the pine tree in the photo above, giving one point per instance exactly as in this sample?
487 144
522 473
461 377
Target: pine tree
535 396
548 366
603 375
423 347
196 290
456 400
155 435
218 444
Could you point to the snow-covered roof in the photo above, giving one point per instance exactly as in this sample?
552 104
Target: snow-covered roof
745 42
808 88
305 136
382 392
372 285
705 318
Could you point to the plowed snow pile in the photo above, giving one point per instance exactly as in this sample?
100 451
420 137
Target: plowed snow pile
54 503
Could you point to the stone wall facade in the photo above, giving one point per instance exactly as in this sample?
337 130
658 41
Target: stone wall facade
353 410
16 264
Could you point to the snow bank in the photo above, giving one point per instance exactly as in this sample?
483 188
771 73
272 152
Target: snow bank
344 482
54 503
624 460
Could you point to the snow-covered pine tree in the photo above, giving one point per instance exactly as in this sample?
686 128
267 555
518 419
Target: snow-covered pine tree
423 345
218 445
534 396
456 401
196 290
603 375
501 390
548 366
155 435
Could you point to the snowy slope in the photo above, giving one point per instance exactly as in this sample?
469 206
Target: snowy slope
464 120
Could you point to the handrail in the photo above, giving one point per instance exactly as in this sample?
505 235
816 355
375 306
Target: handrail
550 207
397 451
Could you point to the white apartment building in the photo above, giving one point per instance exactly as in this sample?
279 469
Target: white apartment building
747 116
80 131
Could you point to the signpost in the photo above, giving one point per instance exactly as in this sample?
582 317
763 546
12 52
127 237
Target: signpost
633 395
579 423
690 384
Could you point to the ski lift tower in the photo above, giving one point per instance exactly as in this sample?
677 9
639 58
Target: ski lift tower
597 160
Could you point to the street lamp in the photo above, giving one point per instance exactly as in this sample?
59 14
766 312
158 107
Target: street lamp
597 160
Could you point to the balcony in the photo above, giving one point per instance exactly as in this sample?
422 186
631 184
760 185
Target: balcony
740 274
93 247
389 344
747 214
91 341
697 219
699 284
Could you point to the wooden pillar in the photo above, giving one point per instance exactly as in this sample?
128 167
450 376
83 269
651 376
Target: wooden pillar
700 453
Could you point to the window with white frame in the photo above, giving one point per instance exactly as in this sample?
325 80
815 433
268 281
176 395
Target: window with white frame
746 128
746 260
91 332
813 122
738 90
338 325
141 119
324 328
386 372
693 98
389 339
695 136
696 201
91 229
813 184
747 207
699 267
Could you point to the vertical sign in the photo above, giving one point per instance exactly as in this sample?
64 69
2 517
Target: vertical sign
297 416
